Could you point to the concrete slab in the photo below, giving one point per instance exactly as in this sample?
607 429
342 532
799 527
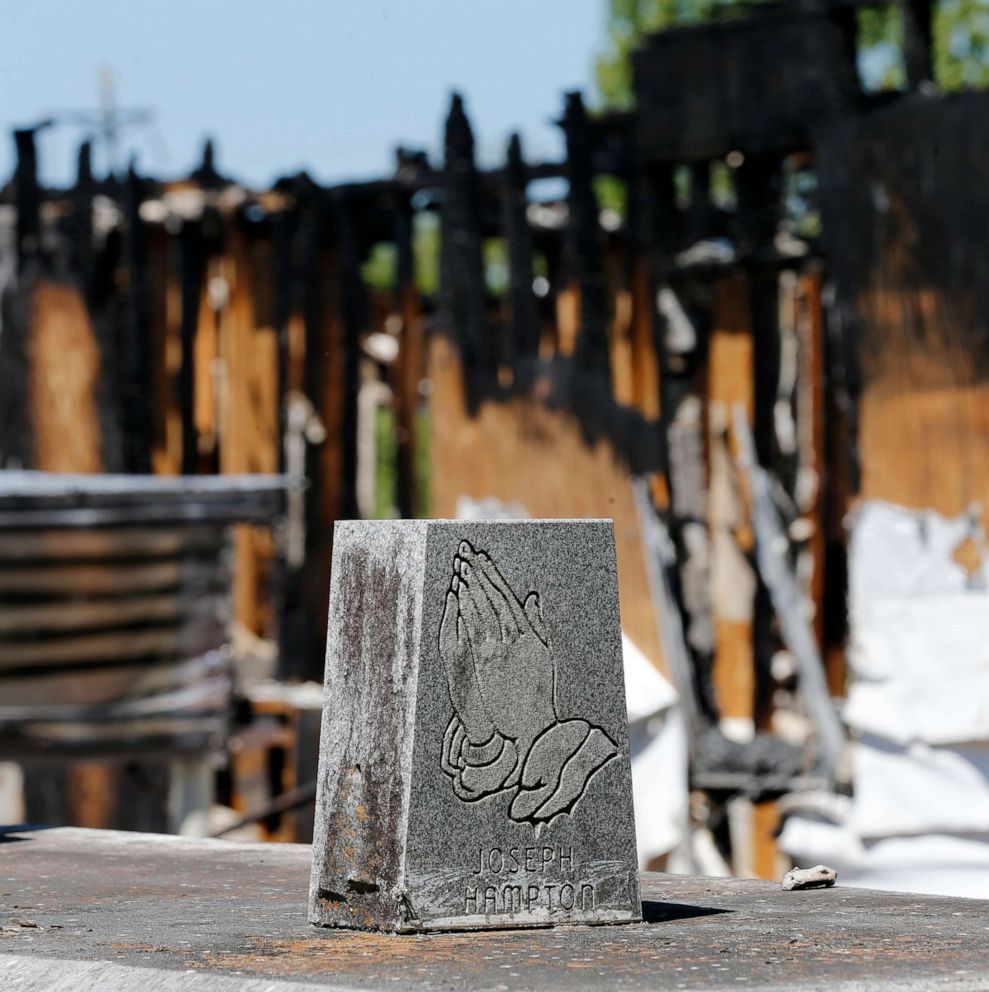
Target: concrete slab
114 909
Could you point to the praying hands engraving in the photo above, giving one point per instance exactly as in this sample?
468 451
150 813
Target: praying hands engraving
506 734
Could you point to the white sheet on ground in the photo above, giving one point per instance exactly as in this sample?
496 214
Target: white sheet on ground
920 668
919 702
658 748
918 788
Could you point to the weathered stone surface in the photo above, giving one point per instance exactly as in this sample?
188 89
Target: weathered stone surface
119 911
474 765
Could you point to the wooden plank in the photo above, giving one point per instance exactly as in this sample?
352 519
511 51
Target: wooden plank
777 575
767 862
620 332
78 615
811 419
209 695
730 381
249 430
567 319
65 545
63 378
208 730
96 579
63 616
913 313
206 383
236 326
645 361
124 645
97 684
166 312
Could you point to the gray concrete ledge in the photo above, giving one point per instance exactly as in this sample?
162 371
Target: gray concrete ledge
115 911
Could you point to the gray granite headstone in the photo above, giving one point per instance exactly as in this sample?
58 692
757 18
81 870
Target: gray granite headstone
474 767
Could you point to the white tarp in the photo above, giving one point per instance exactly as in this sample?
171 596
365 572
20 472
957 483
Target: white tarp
658 748
918 704
919 651
920 669
898 553
919 788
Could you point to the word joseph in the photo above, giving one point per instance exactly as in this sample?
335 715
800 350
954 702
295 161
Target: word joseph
514 898
516 859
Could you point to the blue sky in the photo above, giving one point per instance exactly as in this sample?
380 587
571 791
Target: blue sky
328 86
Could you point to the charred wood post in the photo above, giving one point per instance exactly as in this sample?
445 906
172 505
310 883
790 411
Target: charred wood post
699 214
79 225
205 173
682 427
756 182
27 197
16 442
917 42
281 274
524 337
584 242
645 359
192 266
95 272
136 392
408 373
353 315
462 287
301 257
308 251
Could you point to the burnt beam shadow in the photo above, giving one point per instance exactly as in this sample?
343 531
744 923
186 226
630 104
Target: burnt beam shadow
666 912
12 832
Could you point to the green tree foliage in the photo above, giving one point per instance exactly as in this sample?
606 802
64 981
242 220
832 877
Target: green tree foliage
961 44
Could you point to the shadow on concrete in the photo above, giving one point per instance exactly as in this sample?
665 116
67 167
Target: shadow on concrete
666 912
12 832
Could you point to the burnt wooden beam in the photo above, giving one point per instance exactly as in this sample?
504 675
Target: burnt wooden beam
756 183
309 256
281 279
918 42
27 197
704 90
136 392
192 266
79 224
584 240
462 286
205 173
407 373
700 212
681 356
16 437
353 305
524 338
